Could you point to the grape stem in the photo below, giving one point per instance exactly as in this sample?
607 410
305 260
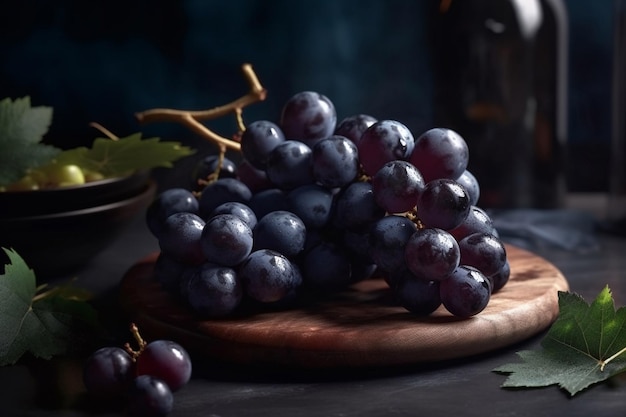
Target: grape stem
412 215
42 292
134 354
192 119
104 130
214 176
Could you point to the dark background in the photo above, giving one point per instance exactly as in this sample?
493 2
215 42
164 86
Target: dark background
105 60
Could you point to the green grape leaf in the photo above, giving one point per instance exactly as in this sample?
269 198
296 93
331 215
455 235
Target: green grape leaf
44 324
125 155
584 346
22 128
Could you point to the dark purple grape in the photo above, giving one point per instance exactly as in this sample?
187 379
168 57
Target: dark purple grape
313 237
443 204
226 240
384 141
327 267
356 207
466 292
470 182
353 126
484 252
335 161
281 231
214 291
183 281
149 396
167 272
269 200
180 238
308 117
168 202
358 246
207 166
255 179
241 210
258 140
291 299
500 278
419 296
440 153
432 254
312 204
107 372
396 186
268 276
167 361
361 271
388 238
222 191
477 221
289 165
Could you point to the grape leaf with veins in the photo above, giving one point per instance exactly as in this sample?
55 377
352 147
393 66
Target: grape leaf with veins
39 320
585 345
22 128
122 156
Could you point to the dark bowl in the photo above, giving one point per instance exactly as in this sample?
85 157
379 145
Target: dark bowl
63 199
54 245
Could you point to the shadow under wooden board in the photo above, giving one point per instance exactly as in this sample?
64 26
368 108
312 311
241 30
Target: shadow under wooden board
356 328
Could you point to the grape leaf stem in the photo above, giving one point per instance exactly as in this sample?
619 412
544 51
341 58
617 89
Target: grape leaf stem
41 292
605 362
104 130
192 119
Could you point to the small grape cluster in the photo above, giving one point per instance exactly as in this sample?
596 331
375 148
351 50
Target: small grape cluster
53 175
141 381
315 206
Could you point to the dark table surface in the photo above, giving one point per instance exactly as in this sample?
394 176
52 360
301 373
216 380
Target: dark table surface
465 387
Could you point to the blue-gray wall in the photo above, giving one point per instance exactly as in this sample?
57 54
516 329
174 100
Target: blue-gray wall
104 60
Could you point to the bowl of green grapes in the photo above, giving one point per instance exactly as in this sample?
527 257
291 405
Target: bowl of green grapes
60 207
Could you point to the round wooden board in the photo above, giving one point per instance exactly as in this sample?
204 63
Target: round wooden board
357 328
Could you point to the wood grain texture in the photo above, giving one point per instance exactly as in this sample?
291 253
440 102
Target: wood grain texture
357 328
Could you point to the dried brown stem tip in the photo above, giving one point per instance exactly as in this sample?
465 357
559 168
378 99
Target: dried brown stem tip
141 343
192 119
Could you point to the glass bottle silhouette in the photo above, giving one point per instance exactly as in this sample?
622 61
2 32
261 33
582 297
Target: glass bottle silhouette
500 75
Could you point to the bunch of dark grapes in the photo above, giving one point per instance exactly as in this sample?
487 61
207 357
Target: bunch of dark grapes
317 205
142 381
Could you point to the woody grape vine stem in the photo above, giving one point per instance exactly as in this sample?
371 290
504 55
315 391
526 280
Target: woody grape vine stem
192 119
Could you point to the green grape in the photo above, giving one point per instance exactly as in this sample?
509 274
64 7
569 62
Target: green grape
91 176
26 183
56 175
